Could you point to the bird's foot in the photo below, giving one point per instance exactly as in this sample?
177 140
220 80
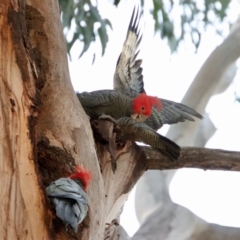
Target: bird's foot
108 117
111 136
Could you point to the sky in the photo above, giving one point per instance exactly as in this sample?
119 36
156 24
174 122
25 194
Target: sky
212 195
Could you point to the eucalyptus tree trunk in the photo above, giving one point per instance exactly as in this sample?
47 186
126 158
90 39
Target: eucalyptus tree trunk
44 130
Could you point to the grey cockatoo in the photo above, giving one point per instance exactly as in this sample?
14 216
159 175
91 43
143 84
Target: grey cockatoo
124 111
70 198
117 105
128 79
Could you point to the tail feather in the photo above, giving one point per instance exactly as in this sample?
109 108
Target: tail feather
171 149
138 131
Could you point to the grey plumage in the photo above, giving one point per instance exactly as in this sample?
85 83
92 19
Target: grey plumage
138 131
128 79
128 74
171 113
117 104
70 201
108 102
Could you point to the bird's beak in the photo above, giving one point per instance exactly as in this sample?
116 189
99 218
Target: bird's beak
138 117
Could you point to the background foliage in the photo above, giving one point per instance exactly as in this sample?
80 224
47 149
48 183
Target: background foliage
173 20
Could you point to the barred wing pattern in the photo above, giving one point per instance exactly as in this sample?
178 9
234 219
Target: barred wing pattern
70 201
128 79
171 113
128 74
137 131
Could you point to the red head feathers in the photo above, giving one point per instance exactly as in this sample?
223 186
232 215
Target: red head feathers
143 104
83 175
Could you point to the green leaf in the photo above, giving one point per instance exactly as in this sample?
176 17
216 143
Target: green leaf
173 44
108 23
116 2
86 15
68 13
103 37
86 39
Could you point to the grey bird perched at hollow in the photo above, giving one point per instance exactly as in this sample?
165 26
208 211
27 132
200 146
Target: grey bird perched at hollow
69 197
128 79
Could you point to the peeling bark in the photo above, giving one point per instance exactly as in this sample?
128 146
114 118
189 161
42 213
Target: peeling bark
63 133
131 164
23 215
45 132
115 231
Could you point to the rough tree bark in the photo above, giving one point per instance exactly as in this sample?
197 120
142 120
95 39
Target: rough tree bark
44 130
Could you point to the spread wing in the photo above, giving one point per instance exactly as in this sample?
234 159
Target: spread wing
170 113
128 77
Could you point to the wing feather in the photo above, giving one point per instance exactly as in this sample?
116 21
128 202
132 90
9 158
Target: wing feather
128 74
128 79
171 113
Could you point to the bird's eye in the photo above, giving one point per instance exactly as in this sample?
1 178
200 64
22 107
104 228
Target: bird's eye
143 108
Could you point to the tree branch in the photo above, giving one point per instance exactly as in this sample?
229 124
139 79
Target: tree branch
203 158
133 160
192 157
212 78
